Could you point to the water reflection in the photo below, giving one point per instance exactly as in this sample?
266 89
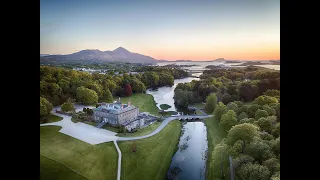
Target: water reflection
189 162
164 95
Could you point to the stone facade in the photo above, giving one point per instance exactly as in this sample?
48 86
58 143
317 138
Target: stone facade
143 120
116 113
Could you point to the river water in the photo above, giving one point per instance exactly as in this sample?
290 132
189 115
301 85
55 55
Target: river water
189 162
164 95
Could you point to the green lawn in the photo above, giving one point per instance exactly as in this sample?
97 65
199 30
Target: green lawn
90 161
141 132
198 105
198 112
52 118
110 128
153 155
52 170
145 102
64 157
214 136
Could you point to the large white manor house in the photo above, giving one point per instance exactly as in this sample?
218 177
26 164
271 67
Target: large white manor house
116 113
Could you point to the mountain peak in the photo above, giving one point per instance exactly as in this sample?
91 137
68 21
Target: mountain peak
120 49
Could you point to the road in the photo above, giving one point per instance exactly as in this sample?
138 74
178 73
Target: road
119 160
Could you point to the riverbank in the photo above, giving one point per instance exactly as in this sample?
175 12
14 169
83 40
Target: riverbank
189 162
153 155
214 137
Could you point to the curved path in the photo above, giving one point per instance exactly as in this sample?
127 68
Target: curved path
119 160
93 135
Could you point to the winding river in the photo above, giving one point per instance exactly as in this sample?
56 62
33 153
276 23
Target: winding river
164 95
189 162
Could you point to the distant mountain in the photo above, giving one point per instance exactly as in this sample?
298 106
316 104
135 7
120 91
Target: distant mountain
94 55
183 60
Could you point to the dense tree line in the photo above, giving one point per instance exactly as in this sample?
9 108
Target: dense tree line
235 84
252 138
57 85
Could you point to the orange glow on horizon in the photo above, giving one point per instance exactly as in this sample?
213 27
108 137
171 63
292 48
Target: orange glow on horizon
253 53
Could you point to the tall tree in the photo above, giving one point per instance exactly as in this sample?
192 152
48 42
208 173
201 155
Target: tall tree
45 107
108 96
219 111
86 96
67 106
127 89
259 149
245 132
253 172
228 120
211 103
151 79
261 113
242 115
233 106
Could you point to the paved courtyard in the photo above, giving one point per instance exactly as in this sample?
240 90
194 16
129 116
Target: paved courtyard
82 131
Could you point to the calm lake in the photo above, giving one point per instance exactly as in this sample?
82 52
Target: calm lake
164 95
200 66
189 162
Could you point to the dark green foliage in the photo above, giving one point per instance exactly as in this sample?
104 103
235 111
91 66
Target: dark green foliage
245 132
59 84
183 98
45 107
260 113
276 146
253 172
251 110
211 103
219 111
259 150
67 106
242 116
247 120
233 106
276 130
228 120
272 164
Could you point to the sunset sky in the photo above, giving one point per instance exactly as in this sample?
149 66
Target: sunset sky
163 29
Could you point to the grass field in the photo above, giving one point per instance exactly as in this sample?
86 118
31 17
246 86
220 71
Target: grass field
214 136
52 170
199 112
145 102
52 118
64 157
153 155
110 128
90 161
141 132
198 105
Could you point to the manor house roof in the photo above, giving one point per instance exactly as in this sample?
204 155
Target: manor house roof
115 108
